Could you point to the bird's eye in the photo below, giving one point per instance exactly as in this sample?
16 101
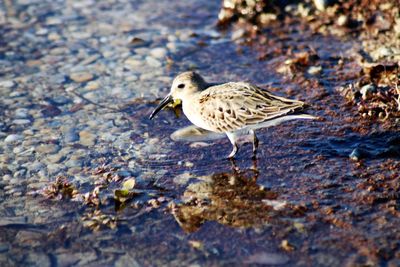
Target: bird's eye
181 86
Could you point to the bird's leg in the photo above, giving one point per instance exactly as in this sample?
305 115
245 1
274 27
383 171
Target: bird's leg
255 143
232 138
235 168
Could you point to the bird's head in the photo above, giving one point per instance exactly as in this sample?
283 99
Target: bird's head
184 85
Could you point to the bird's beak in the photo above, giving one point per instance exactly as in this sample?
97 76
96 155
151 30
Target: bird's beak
168 99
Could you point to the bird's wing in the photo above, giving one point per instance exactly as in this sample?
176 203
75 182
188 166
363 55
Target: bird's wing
232 106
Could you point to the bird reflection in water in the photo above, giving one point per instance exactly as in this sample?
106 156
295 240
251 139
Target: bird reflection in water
234 199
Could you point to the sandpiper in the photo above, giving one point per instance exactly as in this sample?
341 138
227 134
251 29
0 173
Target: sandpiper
234 108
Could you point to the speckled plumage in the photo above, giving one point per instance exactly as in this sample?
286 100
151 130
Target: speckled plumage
234 108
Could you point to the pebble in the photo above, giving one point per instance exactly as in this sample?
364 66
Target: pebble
183 178
21 113
133 62
4 247
71 135
146 76
56 158
61 100
367 91
7 177
37 258
47 148
7 84
384 52
321 5
358 154
314 70
42 31
13 138
18 149
343 20
92 85
55 169
92 95
142 51
74 163
36 166
17 94
158 52
19 173
153 62
21 122
81 77
124 173
107 136
87 138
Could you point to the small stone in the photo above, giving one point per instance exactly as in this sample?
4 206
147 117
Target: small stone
142 51
74 163
92 95
133 62
37 259
47 148
42 31
321 5
36 167
343 20
53 21
121 92
384 52
71 136
53 36
127 260
137 42
158 52
54 169
18 149
131 78
153 62
33 62
124 173
61 100
13 138
56 158
20 173
7 84
21 113
367 91
358 154
146 76
266 18
87 138
4 247
188 164
92 85
21 122
16 94
81 77
7 177
50 111
267 258
238 34
182 179
314 70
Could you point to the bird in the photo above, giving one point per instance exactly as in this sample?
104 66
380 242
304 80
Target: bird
233 108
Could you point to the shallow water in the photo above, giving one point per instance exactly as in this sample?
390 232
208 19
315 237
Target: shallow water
302 202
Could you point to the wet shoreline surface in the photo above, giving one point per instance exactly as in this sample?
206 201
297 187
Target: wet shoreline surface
78 82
